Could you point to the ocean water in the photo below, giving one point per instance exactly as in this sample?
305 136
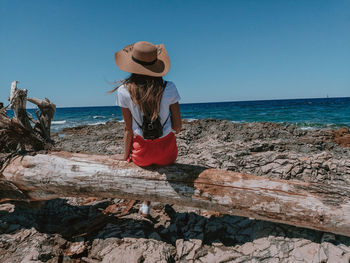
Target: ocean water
306 113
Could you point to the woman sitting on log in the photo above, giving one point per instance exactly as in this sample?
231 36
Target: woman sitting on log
149 106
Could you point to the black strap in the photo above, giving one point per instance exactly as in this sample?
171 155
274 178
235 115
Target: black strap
166 120
143 63
137 122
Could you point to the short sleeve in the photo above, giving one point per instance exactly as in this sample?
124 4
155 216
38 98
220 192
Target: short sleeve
122 97
173 93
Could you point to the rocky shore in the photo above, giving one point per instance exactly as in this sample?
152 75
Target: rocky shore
111 230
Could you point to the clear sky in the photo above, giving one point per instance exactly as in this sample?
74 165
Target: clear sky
219 50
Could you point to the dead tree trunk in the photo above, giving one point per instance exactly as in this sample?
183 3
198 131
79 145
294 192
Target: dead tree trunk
19 130
62 174
18 100
47 110
12 92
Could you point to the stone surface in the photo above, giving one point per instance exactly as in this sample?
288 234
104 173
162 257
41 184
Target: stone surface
89 230
140 250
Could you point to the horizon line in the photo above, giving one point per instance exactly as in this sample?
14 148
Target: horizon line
211 102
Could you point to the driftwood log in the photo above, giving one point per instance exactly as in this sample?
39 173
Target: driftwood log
23 131
62 174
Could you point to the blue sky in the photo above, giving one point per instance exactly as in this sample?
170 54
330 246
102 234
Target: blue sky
219 50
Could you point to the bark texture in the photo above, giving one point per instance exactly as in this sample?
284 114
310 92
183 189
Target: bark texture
18 132
61 174
47 110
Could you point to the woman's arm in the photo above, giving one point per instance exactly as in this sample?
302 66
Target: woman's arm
176 122
128 133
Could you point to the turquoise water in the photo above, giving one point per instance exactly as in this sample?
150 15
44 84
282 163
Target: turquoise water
307 113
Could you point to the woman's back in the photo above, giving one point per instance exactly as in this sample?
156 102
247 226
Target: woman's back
145 97
169 96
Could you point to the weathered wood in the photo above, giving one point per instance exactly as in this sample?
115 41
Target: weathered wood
12 92
18 101
62 174
12 133
18 132
2 109
47 110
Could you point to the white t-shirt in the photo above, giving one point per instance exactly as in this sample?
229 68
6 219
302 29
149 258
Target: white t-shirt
170 96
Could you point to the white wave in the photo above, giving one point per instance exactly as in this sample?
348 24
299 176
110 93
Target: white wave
307 128
97 123
99 117
121 121
191 120
58 122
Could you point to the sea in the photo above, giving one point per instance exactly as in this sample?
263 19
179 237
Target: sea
306 113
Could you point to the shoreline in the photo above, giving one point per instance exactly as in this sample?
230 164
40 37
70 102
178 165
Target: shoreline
306 126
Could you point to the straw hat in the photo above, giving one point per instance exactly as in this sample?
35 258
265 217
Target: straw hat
143 58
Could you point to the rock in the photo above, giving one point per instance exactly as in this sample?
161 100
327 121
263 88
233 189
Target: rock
296 170
322 256
267 168
334 253
7 207
247 248
306 253
89 260
342 137
273 250
261 244
102 247
187 249
27 246
140 250
75 249
220 254
48 233
286 169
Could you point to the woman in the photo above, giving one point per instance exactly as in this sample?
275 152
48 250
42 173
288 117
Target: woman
149 106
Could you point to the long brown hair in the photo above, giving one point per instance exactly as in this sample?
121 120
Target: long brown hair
146 92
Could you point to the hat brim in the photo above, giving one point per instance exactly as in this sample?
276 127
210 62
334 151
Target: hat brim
124 61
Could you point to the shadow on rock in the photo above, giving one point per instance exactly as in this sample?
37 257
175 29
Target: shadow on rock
89 222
